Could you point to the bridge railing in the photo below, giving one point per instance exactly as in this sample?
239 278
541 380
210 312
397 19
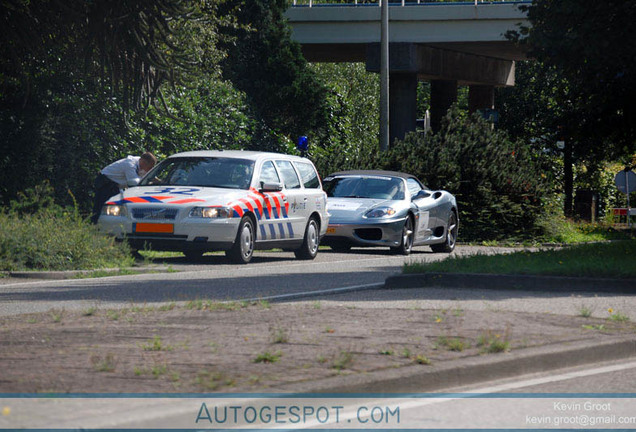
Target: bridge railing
312 3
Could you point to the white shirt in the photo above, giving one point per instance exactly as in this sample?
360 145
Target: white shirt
123 171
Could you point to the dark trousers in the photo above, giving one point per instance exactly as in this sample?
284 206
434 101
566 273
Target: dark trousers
104 189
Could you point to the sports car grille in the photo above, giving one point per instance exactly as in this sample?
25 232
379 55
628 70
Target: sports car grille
154 213
369 233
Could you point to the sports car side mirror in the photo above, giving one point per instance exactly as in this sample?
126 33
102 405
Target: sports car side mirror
422 194
271 187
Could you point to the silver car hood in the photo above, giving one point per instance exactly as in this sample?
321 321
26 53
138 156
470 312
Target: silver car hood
347 210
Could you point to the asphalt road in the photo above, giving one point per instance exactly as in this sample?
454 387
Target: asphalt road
270 273
280 274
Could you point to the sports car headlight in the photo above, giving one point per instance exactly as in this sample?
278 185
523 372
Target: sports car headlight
210 212
380 212
114 210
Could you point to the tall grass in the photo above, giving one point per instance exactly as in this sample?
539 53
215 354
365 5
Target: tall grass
37 234
56 240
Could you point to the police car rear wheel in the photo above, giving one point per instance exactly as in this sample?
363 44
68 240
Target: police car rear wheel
243 247
309 249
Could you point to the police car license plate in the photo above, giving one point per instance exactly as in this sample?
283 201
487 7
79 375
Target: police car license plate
153 228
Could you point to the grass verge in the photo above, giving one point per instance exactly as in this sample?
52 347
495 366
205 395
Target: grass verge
56 239
609 260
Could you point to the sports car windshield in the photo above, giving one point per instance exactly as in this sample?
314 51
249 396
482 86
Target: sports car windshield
227 173
365 187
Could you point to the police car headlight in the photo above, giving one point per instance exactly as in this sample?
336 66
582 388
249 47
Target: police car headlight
380 212
210 212
114 210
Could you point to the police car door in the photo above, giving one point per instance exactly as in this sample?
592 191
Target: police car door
316 197
296 209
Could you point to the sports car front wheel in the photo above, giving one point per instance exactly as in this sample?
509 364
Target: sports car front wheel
451 236
406 245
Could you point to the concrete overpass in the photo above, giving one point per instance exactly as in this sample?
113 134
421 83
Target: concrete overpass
449 44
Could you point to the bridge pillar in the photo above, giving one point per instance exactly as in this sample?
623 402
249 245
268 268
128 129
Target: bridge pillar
443 95
481 97
402 105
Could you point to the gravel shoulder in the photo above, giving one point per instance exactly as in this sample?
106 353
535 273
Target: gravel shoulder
202 346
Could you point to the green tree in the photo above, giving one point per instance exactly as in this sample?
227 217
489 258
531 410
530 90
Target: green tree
268 66
585 43
350 136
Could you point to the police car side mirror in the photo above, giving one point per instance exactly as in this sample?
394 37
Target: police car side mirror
271 187
133 182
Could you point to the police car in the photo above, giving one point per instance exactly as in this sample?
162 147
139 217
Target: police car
235 201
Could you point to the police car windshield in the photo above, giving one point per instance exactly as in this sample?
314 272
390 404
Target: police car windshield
365 187
226 173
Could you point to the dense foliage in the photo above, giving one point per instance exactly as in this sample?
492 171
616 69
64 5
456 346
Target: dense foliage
82 85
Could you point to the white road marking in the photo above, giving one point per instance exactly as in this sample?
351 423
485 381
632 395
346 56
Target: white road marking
329 291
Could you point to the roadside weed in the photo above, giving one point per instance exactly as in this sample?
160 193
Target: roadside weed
90 311
158 370
388 352
406 353
105 364
585 312
167 307
211 380
317 304
268 357
342 360
57 316
492 343
599 327
422 359
278 335
452 344
155 344
617 316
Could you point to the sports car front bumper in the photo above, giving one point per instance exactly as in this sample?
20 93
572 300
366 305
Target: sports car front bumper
373 233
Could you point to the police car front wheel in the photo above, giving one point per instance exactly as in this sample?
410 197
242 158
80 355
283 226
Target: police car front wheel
243 247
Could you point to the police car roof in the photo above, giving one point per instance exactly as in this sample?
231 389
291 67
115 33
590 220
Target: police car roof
237 154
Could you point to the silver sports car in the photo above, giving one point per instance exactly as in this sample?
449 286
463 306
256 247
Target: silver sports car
386 208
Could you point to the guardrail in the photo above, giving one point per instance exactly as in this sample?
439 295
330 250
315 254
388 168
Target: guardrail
312 3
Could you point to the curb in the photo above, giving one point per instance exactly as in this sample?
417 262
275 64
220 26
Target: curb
470 371
507 282
74 274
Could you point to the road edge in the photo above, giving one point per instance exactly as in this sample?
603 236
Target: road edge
472 370
508 282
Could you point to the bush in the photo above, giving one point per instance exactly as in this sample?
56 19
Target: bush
54 238
498 183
